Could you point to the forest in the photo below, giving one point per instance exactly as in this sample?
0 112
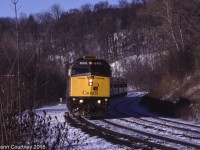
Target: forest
36 50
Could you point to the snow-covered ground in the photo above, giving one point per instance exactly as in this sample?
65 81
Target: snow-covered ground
84 140
146 124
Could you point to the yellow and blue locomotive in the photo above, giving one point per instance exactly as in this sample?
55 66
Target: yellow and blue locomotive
88 87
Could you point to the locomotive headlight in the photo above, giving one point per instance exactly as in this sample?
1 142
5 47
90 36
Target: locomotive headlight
99 101
90 82
73 99
106 99
81 101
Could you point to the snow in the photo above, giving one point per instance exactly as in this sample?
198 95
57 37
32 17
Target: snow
193 90
130 102
86 142
136 94
59 107
120 66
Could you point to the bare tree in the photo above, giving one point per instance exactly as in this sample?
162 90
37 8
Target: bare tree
56 11
123 4
18 62
86 7
102 5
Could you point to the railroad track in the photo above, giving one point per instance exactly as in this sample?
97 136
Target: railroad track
193 132
100 128
166 120
190 137
155 119
88 128
131 137
140 131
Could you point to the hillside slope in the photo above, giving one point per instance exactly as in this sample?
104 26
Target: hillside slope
179 97
178 90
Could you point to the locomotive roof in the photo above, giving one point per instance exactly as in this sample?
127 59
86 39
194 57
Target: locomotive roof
90 59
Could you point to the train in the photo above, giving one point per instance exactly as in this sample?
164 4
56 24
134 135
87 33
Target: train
90 87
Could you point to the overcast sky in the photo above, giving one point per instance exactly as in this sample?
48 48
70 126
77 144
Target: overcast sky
35 6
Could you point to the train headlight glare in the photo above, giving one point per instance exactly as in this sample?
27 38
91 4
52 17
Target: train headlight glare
99 101
73 99
90 82
106 99
81 101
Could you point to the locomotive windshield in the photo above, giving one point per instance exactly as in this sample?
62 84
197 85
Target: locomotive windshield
80 70
97 67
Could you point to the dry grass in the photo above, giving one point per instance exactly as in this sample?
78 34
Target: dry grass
36 129
166 89
184 93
